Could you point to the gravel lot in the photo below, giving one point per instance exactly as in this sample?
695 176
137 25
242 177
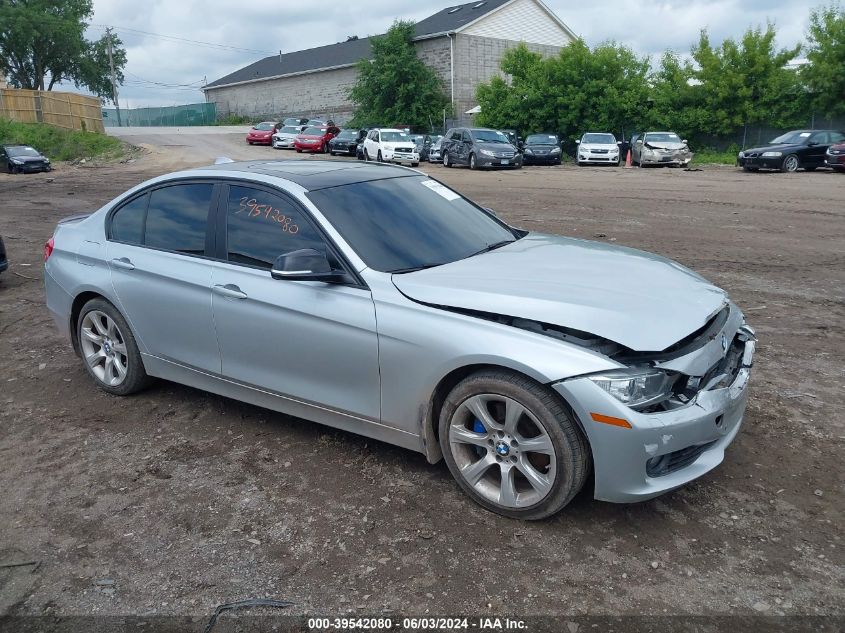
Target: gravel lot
186 500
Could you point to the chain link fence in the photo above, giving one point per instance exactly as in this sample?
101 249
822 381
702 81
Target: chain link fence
165 116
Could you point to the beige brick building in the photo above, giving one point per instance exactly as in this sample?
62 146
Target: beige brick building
463 44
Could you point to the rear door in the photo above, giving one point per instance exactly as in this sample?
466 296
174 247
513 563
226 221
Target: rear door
817 145
156 251
309 341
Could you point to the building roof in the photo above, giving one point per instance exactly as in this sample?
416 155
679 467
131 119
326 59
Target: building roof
349 53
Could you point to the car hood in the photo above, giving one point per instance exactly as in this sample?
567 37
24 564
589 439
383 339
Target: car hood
28 159
496 147
261 132
398 144
309 137
665 145
598 146
640 300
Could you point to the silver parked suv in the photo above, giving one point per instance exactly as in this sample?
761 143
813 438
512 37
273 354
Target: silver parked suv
375 299
479 148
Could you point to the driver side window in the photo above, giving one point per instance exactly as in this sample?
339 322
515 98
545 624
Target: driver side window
260 226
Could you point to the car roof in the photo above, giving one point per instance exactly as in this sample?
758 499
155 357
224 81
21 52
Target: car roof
312 175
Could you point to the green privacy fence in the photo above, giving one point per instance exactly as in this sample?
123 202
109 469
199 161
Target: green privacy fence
165 116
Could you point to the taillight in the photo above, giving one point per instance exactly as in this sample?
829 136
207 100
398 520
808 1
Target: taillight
48 249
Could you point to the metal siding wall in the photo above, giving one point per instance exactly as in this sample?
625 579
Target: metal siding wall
522 20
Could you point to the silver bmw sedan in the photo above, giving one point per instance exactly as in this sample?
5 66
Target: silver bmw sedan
374 299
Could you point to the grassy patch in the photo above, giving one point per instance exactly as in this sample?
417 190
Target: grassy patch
59 144
713 157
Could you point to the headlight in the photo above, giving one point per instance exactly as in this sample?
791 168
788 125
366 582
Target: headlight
556 150
487 152
17 162
648 151
529 151
742 155
635 387
772 154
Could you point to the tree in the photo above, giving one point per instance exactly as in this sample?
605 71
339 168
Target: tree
745 82
395 86
42 43
580 89
825 72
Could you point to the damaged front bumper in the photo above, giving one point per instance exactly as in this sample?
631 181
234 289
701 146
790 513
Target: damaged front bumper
659 451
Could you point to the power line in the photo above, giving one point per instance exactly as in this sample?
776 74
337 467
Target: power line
138 79
174 38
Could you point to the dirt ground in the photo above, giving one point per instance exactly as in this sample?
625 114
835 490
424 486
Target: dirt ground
174 501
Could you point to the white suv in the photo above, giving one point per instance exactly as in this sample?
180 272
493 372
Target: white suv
391 145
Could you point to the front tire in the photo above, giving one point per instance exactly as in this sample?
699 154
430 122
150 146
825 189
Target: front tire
790 163
446 161
379 158
108 349
473 163
512 445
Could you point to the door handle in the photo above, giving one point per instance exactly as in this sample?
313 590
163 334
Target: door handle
231 291
124 263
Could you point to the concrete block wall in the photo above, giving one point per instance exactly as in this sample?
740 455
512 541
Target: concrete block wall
436 54
477 60
321 94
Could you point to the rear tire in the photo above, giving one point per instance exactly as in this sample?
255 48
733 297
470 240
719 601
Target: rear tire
108 349
512 445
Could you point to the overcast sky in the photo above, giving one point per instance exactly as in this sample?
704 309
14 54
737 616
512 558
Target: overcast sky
162 71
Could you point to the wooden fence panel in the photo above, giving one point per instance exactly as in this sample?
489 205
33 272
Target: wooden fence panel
62 109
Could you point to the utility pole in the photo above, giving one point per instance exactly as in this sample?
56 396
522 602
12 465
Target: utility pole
113 80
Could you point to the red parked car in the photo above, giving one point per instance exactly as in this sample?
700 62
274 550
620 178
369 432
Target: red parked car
262 133
315 139
835 157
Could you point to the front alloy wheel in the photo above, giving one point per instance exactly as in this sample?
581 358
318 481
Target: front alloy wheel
446 161
512 445
790 163
473 163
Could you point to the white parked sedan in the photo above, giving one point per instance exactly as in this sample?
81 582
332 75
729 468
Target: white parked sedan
600 148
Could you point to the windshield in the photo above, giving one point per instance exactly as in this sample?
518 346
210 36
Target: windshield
489 136
394 137
346 135
791 137
289 129
292 121
314 131
435 137
662 137
396 224
264 127
600 139
541 139
21 151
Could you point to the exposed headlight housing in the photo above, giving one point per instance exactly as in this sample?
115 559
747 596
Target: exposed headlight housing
555 150
487 152
772 154
635 388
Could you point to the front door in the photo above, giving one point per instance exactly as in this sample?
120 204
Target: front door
311 341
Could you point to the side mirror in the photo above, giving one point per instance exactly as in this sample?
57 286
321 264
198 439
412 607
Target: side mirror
685 141
306 264
639 142
619 142
578 142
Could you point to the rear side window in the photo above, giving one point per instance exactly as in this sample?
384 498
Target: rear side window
177 218
127 223
260 226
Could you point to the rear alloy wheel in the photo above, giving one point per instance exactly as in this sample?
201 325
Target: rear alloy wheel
109 350
790 163
473 164
512 445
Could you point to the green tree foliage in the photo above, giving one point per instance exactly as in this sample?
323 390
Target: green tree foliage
580 89
395 86
42 43
825 72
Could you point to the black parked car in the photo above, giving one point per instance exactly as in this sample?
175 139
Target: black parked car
4 263
541 149
803 149
479 148
346 142
22 159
